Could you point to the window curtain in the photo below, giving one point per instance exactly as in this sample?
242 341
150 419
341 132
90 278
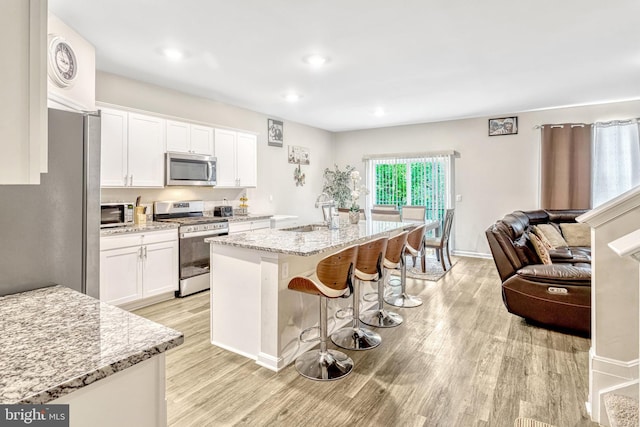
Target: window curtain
565 168
412 179
616 159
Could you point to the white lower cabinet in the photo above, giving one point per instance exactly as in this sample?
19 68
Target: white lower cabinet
242 226
139 266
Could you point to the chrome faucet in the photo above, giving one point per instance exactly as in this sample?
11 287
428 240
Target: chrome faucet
329 212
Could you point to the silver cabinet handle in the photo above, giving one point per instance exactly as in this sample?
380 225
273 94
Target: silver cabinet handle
140 252
126 178
145 252
131 181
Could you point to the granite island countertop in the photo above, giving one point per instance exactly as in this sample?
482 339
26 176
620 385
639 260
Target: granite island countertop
311 242
55 341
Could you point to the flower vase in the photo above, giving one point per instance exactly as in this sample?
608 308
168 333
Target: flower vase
354 217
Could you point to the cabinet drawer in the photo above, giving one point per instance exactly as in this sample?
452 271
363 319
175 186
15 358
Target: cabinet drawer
160 236
239 227
115 242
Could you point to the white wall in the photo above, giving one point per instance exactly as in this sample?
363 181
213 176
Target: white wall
494 175
276 191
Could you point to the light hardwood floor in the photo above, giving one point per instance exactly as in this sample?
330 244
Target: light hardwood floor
458 360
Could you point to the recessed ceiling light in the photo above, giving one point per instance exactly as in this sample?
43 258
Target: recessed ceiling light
292 97
379 112
173 54
315 60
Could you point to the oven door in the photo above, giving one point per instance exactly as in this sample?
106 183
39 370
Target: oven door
194 253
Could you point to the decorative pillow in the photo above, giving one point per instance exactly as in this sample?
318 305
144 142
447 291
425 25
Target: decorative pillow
540 249
543 238
576 234
552 234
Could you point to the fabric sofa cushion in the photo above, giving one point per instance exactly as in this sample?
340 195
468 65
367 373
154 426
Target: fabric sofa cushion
552 234
540 248
576 234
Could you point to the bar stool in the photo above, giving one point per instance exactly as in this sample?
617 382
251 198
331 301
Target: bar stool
332 279
368 269
379 317
414 246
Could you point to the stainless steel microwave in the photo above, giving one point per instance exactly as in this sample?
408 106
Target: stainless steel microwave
190 169
115 214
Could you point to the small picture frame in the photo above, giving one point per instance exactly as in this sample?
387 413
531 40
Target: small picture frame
299 155
275 132
503 126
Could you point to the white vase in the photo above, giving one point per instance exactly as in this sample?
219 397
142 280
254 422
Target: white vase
354 217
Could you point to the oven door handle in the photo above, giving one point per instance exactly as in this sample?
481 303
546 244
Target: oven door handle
208 233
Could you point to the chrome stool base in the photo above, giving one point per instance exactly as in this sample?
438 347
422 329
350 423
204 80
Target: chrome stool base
381 318
356 338
327 366
403 300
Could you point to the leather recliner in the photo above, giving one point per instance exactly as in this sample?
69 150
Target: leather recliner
556 295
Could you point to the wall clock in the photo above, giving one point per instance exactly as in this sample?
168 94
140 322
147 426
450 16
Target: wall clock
63 64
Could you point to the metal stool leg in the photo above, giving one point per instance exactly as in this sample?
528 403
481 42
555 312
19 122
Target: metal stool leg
324 365
379 317
403 299
355 337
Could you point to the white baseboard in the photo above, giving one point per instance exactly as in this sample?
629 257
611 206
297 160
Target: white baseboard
607 375
471 254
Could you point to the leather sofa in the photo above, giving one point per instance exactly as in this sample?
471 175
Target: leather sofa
556 295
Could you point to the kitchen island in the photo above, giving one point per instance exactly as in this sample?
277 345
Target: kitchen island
253 313
63 347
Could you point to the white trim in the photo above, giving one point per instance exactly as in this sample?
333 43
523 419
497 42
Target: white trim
233 349
612 209
627 245
614 367
471 254
410 155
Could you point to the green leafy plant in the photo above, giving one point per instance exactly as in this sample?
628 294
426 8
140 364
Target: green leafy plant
337 185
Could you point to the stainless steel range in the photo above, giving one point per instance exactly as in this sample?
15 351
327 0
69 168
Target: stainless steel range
194 252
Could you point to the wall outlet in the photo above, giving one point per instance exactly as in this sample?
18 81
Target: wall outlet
284 269
458 197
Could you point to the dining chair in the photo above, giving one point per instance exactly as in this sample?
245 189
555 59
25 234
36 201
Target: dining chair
385 207
441 243
413 213
385 215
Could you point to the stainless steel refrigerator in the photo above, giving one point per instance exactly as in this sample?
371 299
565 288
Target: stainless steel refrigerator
50 233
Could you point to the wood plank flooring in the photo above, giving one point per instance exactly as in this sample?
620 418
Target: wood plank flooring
458 360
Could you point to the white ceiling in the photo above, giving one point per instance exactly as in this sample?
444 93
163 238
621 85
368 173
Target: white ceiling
419 60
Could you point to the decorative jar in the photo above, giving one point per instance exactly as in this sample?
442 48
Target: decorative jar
354 217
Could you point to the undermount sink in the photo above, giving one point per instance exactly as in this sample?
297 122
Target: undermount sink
307 228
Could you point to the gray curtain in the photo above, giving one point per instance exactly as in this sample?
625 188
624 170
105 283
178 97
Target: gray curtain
566 166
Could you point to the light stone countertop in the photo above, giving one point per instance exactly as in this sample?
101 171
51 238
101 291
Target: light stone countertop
55 341
135 228
250 217
312 242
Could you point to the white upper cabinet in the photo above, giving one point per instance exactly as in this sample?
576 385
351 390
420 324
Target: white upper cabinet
146 151
23 112
113 153
236 155
133 147
189 138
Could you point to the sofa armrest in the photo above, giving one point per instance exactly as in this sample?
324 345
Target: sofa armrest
565 274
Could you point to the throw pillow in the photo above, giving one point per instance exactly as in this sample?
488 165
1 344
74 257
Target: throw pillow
552 234
543 239
541 250
576 234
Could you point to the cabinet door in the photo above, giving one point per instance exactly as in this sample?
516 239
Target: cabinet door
23 111
120 275
146 151
160 271
202 140
247 160
260 224
113 152
225 152
178 136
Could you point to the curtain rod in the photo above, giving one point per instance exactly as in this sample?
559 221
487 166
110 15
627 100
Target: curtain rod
609 123
406 155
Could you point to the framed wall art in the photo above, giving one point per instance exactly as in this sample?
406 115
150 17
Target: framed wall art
275 132
298 155
503 126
